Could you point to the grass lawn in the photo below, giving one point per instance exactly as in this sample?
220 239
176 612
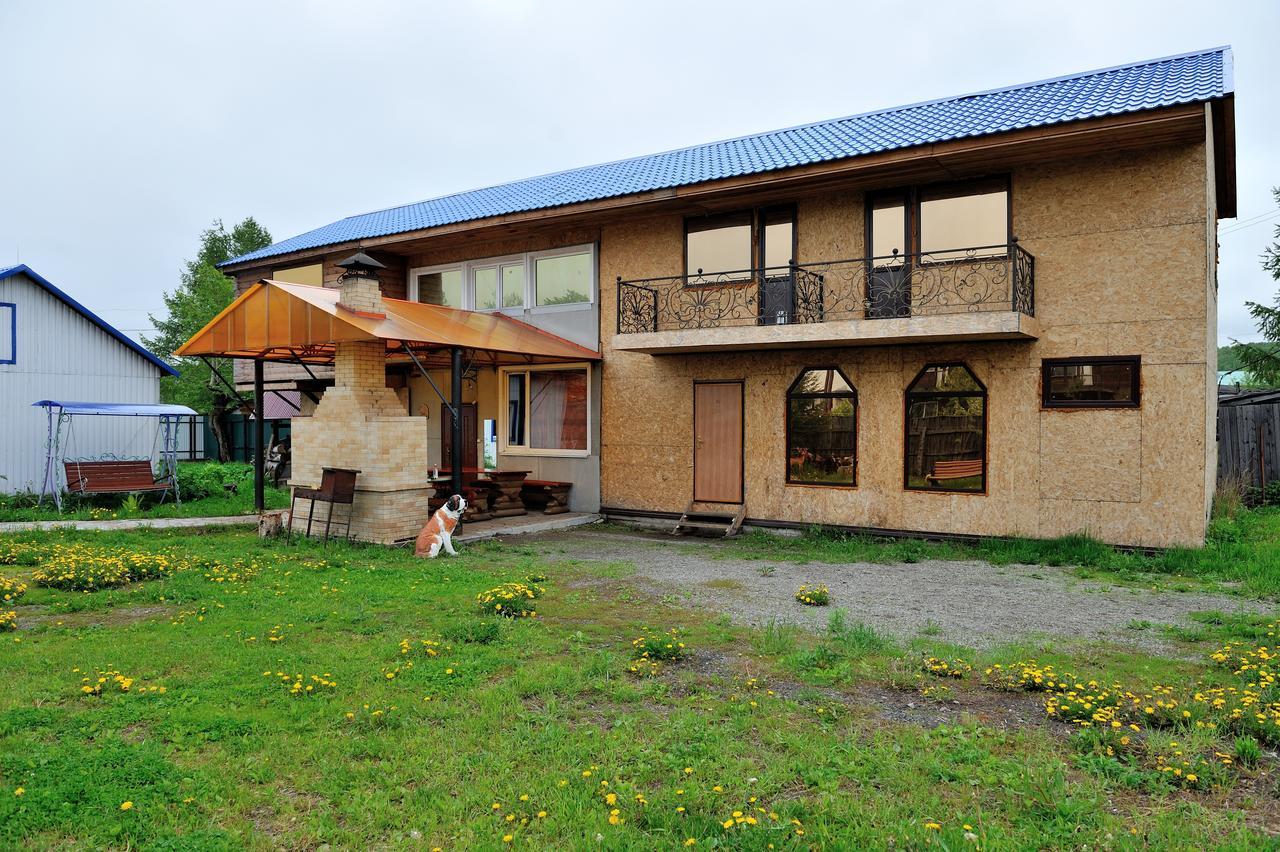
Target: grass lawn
1244 549
201 485
256 694
214 506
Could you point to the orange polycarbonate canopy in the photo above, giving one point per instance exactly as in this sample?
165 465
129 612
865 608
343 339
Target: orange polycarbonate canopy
276 321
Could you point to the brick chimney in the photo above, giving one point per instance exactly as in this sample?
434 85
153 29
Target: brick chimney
361 424
358 289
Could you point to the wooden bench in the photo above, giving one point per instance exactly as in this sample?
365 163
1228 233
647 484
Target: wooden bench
551 497
112 477
961 469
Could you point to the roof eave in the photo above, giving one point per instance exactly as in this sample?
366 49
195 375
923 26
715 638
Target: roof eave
110 329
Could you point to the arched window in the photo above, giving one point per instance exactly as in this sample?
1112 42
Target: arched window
822 426
946 446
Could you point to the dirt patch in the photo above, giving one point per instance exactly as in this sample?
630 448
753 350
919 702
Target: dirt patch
42 616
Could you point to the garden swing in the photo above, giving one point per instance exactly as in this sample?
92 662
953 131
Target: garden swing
109 473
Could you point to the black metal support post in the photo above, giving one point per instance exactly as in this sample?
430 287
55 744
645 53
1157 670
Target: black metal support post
259 452
455 463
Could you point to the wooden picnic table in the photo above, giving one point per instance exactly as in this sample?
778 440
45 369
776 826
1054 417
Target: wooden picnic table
491 492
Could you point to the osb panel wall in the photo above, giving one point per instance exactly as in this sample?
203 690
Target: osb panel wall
1119 242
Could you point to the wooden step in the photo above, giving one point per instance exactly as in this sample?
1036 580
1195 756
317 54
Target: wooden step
726 517
726 522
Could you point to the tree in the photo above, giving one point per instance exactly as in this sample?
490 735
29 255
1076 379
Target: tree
1263 362
201 293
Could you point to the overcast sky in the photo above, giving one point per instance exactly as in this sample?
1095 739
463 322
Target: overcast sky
130 126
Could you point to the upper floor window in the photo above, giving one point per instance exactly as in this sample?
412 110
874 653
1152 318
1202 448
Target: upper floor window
946 422
1091 382
822 421
534 280
562 278
8 333
944 222
498 284
312 274
438 286
730 245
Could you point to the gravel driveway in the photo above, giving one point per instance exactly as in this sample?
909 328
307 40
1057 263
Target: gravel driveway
972 603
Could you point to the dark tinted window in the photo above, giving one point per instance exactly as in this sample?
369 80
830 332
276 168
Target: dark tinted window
822 420
946 420
1092 382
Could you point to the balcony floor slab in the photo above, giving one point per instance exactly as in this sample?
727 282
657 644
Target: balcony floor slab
936 328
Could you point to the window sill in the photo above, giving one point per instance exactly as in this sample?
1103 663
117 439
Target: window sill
562 454
559 309
837 486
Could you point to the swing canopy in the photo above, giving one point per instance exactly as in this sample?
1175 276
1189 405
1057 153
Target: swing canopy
117 409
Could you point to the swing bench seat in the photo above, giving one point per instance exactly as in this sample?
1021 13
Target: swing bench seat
112 477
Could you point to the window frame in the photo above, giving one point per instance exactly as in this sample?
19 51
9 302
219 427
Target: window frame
440 267
529 260
906 426
531 278
911 197
757 219
790 395
1047 364
13 332
505 448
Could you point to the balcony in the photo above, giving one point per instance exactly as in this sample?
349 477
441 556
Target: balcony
977 293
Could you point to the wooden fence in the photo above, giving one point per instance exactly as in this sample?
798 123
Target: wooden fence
1249 443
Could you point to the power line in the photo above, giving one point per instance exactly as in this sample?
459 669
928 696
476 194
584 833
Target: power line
1241 224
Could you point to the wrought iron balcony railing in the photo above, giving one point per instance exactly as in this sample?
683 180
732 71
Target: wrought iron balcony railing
982 278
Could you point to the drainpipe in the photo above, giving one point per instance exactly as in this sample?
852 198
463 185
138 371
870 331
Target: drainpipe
455 463
259 502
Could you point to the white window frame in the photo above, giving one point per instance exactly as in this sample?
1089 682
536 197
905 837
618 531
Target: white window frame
531 277
440 267
530 262
507 449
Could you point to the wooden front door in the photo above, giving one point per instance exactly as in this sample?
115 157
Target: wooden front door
469 436
717 442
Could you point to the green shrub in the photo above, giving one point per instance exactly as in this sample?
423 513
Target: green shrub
204 479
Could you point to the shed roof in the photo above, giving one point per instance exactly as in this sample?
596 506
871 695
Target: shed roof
1150 84
277 321
57 293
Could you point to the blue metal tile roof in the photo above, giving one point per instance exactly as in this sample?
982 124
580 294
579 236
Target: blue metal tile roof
1151 84
110 329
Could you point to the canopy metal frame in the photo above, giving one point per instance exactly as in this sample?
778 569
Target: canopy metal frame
59 413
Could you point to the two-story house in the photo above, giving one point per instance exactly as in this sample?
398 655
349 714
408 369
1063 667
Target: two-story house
992 314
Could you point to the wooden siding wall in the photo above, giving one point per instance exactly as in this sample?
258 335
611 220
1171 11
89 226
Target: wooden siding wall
63 355
1249 443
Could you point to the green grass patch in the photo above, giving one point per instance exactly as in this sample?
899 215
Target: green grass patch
436 725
